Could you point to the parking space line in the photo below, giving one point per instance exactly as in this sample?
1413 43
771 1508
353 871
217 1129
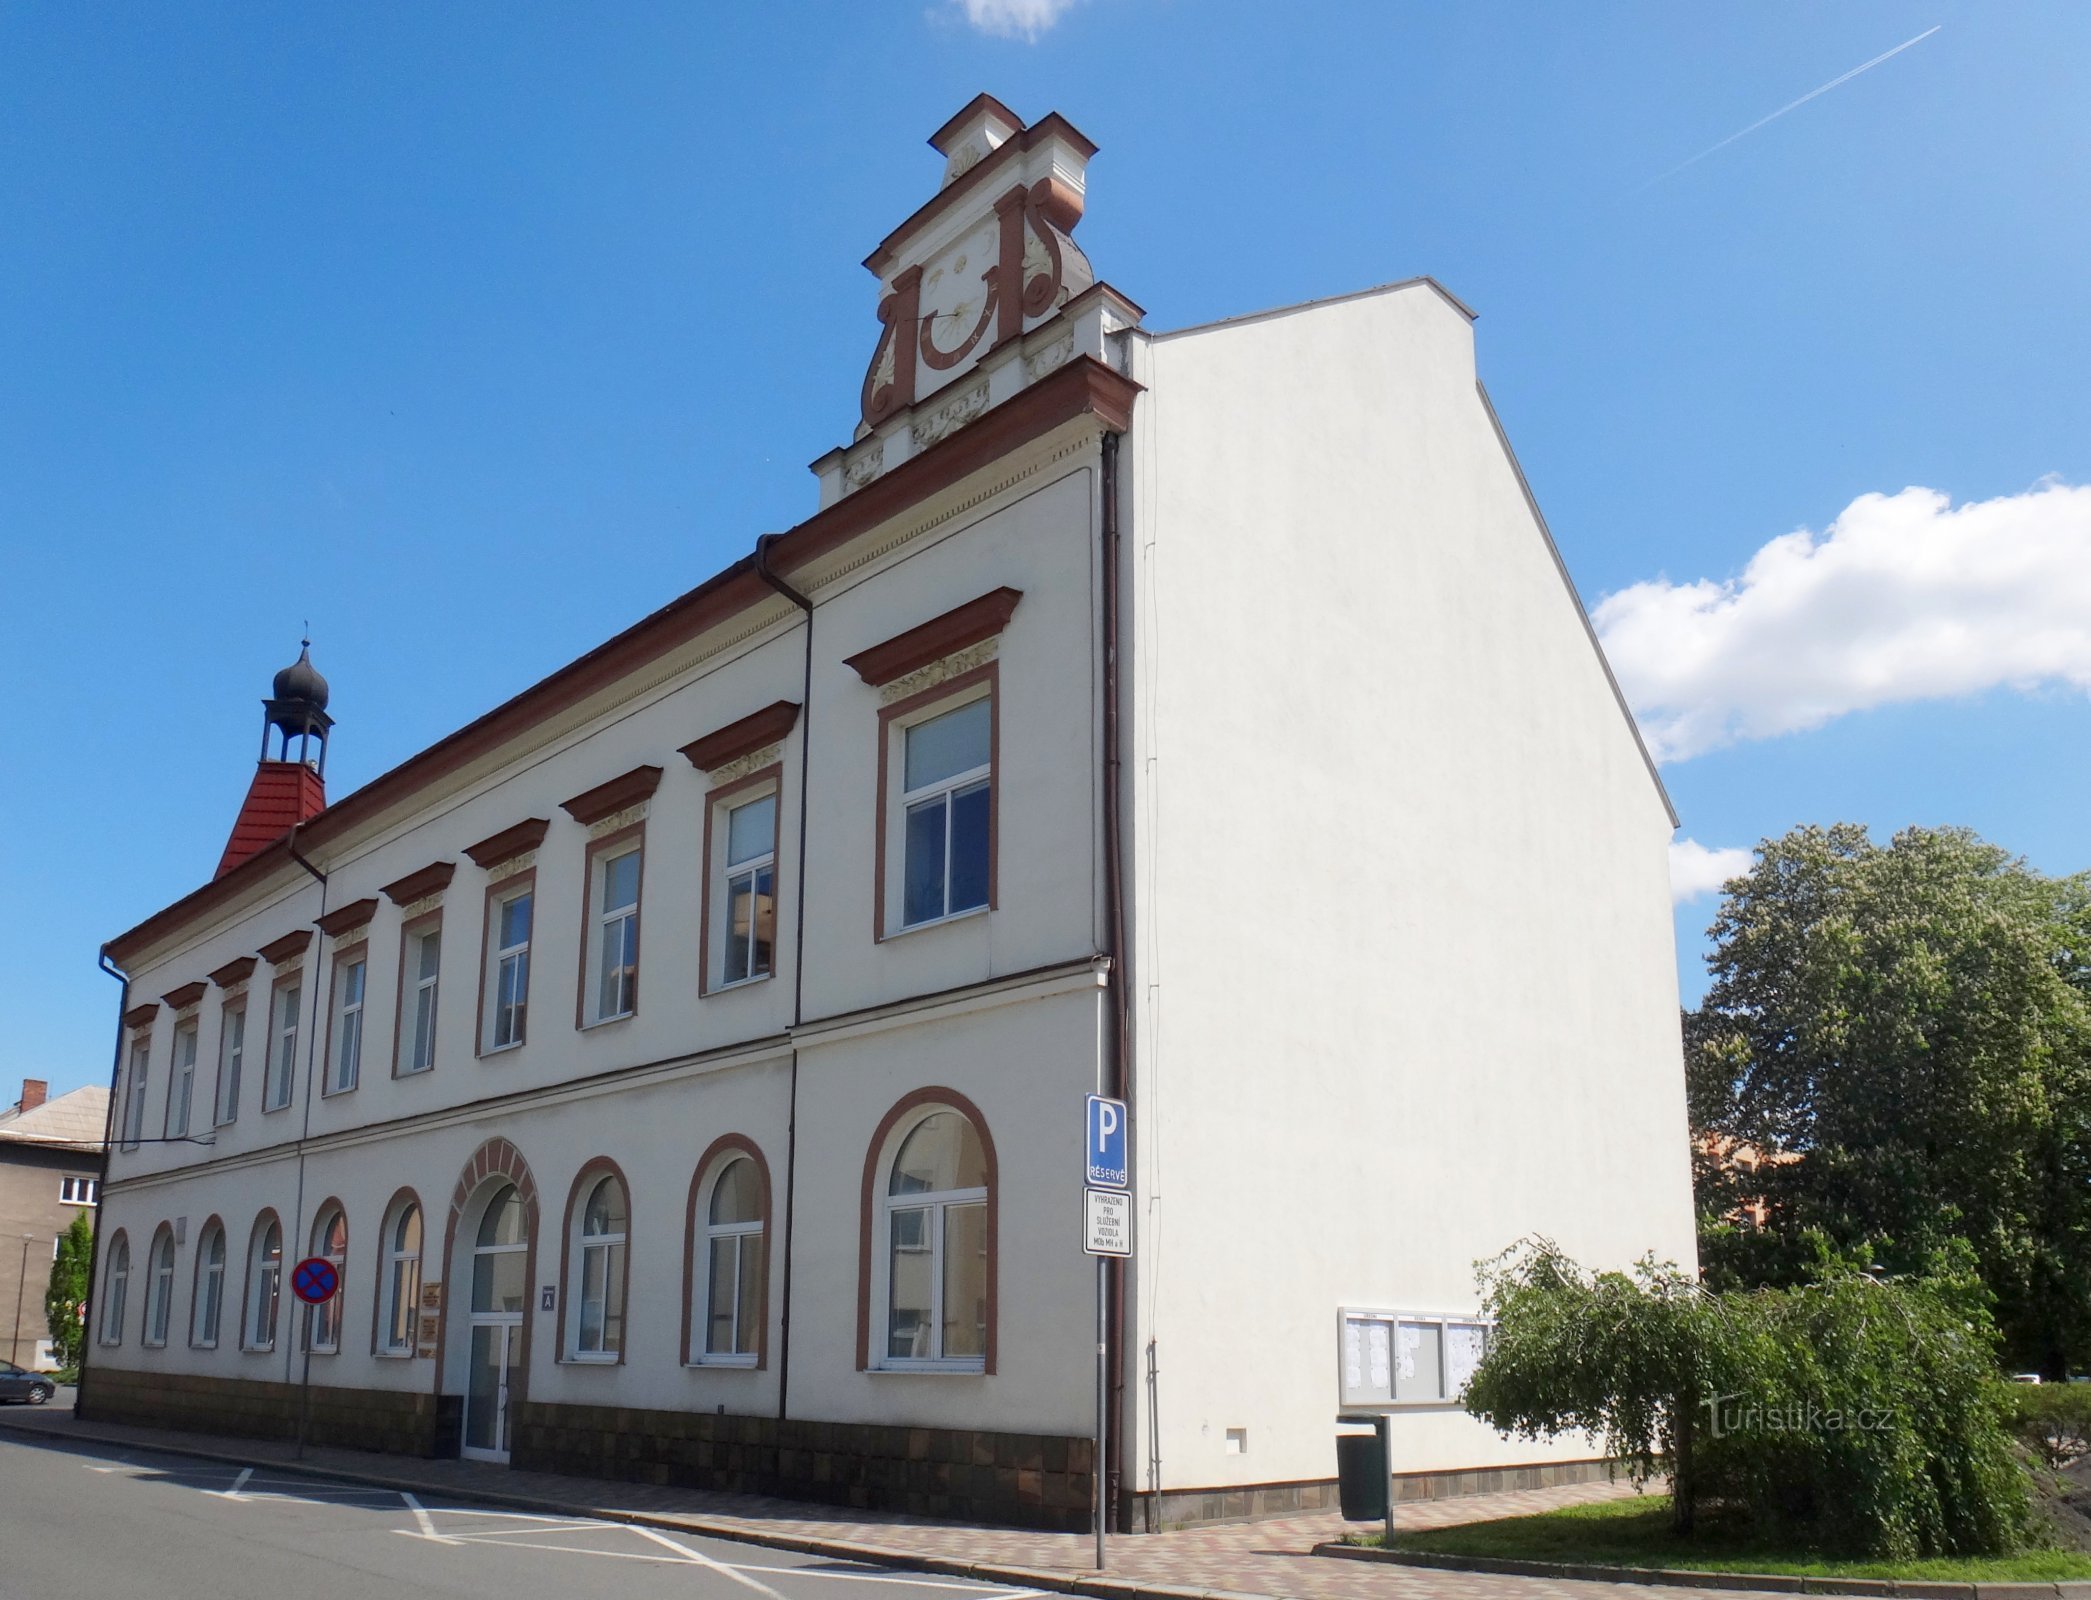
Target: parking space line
423 1520
703 1560
238 1484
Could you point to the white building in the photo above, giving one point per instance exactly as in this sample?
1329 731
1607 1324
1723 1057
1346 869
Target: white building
684 1061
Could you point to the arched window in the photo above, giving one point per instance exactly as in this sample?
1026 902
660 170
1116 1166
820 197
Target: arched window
207 1308
159 1286
730 1293
399 1280
596 1330
264 1283
329 1239
118 1290
935 1227
500 1258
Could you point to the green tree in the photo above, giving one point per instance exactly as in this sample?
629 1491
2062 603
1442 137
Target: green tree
67 1291
1903 1034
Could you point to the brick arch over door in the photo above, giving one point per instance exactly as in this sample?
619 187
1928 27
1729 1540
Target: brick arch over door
497 1158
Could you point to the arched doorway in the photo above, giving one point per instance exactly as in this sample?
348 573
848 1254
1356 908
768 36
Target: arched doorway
497 1266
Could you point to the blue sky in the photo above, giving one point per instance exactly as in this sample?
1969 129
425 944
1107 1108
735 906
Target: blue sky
472 333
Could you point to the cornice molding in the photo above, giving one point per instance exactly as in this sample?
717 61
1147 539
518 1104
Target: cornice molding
737 739
957 628
607 799
509 843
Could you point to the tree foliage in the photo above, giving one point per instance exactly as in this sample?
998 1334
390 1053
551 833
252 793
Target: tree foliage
1903 1035
67 1290
1860 1414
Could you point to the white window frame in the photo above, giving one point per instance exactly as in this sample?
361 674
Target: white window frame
608 1245
76 1189
159 1290
118 1290
602 918
1356 1385
499 959
726 870
286 1015
181 1082
323 1321
207 1314
401 1282
345 1040
415 987
264 1289
744 1236
232 1052
134 1093
949 788
939 1203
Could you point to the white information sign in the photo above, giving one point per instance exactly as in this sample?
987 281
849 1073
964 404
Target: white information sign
1107 1222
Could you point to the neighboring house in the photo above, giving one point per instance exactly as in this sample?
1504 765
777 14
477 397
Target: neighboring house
51 1156
685 1061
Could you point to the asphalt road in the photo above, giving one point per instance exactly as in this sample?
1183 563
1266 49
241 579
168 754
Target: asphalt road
125 1524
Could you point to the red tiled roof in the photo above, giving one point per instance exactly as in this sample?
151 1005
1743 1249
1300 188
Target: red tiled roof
282 795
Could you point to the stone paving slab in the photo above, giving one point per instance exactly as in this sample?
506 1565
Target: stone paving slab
1241 1561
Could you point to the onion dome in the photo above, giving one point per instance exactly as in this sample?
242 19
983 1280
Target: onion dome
301 681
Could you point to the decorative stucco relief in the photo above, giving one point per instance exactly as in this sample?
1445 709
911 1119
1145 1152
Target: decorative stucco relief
865 465
940 671
354 939
513 865
949 417
1052 356
628 817
740 766
421 907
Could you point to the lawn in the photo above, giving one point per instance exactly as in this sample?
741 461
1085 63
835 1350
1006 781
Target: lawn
1636 1533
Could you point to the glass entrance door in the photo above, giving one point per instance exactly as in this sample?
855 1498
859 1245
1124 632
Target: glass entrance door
500 1263
490 1372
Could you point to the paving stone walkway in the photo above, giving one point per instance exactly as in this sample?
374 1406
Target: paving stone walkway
1260 1558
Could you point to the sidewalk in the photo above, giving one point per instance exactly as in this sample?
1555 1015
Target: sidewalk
1262 1558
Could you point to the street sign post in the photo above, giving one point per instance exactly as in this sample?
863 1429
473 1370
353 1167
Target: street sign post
1107 1233
1106 1166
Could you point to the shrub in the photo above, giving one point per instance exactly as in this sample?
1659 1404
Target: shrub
2053 1420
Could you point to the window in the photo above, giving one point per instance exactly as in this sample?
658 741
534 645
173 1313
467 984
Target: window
134 1095
208 1308
329 1239
264 1283
182 1085
1409 1358
289 1001
748 918
232 1043
78 1191
730 1306
935 1215
946 811
400 1285
420 963
159 1286
501 1258
597 1332
611 988
118 1290
509 962
345 1046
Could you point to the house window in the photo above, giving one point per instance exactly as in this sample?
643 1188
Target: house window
182 1086
946 796
264 1284
748 916
134 1095
329 1239
118 1290
400 1285
935 1228
420 964
597 1331
730 1306
78 1191
509 967
159 1286
345 1044
289 1001
612 983
232 1044
208 1309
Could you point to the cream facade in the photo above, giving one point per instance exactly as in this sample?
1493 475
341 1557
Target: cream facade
1203 717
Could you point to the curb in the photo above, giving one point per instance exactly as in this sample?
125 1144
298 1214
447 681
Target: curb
1099 1586
1685 1578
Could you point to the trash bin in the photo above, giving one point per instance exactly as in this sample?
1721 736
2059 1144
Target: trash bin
1361 1472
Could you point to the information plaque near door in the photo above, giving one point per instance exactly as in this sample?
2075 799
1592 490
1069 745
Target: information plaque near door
1107 1222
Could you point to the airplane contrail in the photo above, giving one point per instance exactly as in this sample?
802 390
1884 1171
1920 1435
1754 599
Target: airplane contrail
1864 66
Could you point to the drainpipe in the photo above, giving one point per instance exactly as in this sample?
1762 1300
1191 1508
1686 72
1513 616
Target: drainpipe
798 962
1121 1067
290 844
91 1328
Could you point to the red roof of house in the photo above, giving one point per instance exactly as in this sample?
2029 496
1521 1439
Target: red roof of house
282 795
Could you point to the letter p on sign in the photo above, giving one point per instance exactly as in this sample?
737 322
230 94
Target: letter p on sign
1105 1144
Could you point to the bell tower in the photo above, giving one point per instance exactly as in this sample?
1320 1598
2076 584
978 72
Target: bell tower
290 786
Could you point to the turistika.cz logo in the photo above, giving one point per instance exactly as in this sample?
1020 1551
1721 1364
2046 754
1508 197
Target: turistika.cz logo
1737 1413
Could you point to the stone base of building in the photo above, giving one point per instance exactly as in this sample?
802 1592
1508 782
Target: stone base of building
387 1420
1256 1502
1024 1480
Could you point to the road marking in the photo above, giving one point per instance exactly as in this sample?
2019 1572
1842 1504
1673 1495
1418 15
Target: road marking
238 1484
422 1519
703 1560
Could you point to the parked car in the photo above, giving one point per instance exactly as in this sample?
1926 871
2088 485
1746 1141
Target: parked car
17 1383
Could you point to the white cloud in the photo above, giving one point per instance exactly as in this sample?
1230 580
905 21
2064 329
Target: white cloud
1696 870
1014 19
1905 597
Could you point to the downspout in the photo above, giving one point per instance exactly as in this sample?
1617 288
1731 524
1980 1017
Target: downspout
798 964
1121 1074
91 1327
290 1355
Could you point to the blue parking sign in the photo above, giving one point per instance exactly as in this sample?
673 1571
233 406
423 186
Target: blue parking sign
1105 1147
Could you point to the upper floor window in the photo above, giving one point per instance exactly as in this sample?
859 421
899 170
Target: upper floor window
289 1004
264 1283
118 1290
399 1284
946 795
134 1094
74 1190
329 1239
159 1286
208 1309
730 1298
612 983
935 1215
748 918
597 1332
232 1047
345 1042
508 966
181 1086
420 970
